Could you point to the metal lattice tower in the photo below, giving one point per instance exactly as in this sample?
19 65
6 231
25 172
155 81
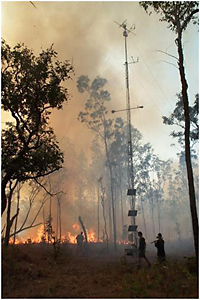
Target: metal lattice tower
131 190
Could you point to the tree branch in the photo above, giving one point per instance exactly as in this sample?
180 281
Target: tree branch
168 63
51 194
167 54
31 200
13 218
25 228
187 20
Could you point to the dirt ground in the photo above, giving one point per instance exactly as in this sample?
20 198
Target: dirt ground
37 271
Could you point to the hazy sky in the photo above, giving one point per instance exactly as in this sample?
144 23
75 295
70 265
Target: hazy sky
86 33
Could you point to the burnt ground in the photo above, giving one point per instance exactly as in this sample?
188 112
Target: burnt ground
36 271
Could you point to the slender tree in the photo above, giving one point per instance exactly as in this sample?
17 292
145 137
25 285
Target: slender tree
95 116
103 200
178 15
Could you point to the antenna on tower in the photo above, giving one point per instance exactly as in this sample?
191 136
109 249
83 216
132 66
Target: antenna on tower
126 30
135 61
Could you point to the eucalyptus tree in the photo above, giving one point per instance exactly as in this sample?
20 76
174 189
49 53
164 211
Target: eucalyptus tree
96 119
177 118
178 15
31 88
143 162
117 153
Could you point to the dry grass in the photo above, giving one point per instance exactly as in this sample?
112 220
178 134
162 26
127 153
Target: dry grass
30 271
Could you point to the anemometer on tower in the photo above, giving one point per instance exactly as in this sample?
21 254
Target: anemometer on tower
132 229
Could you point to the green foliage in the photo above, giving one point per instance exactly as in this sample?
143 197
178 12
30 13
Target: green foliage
95 110
112 134
144 160
31 88
177 118
178 14
83 84
42 156
33 80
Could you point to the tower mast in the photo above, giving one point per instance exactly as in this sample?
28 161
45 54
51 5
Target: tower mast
131 190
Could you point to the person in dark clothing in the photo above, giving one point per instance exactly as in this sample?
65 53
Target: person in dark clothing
159 244
142 249
80 239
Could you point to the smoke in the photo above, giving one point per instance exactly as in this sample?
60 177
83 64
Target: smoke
86 34
95 44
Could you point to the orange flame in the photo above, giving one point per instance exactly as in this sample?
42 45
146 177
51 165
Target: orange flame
40 233
31 239
69 237
76 226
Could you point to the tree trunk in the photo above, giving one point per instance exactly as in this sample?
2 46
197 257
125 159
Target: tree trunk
187 146
4 182
145 228
9 221
159 213
112 196
122 212
104 214
8 226
110 225
18 198
60 223
152 214
111 187
98 213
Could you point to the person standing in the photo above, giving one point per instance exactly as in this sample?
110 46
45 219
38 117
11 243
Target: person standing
142 249
80 239
159 244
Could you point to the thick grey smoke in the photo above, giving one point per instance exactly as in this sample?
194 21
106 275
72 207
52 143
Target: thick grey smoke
96 45
86 34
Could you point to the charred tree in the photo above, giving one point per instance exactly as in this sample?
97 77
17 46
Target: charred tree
84 230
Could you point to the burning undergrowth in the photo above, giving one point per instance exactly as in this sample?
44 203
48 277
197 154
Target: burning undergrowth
41 236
